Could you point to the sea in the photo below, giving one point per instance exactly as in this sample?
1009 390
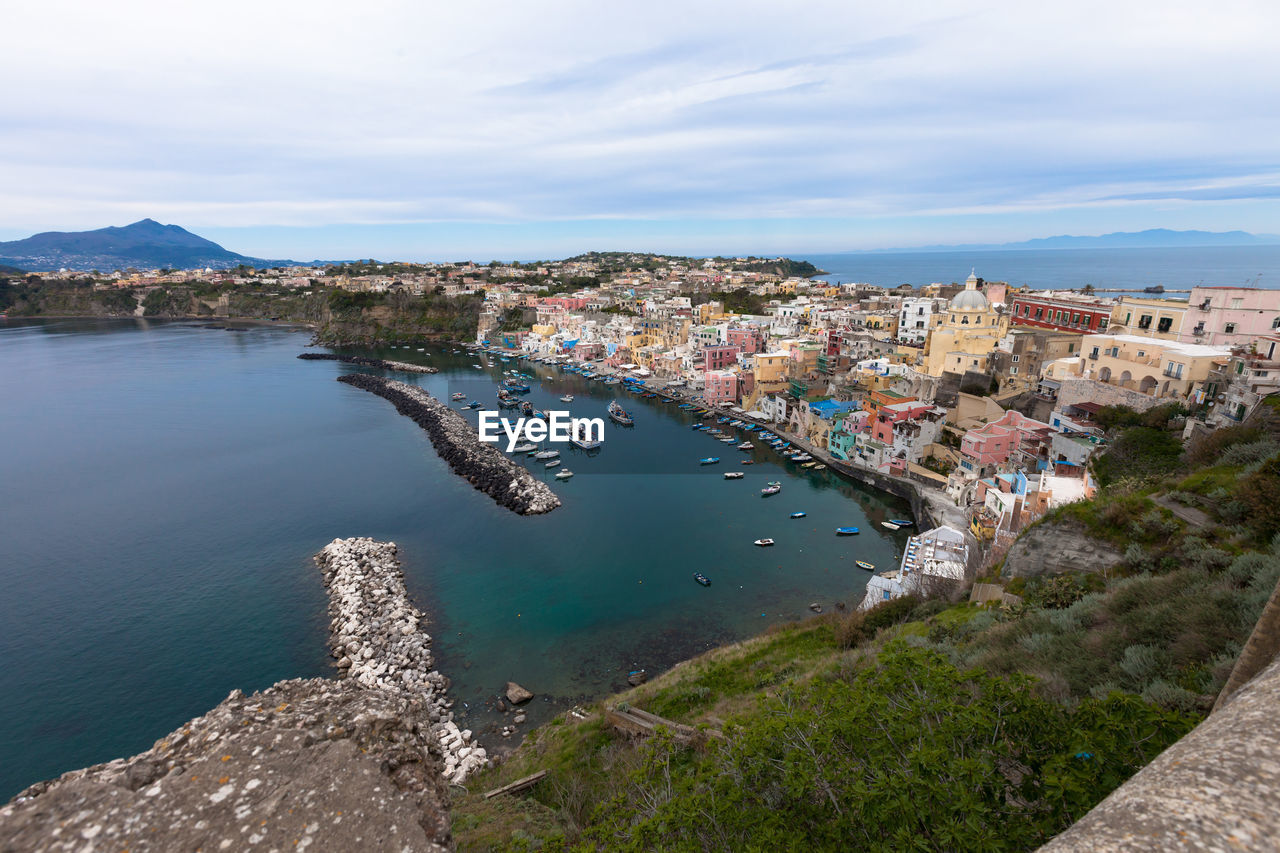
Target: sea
165 485
1117 271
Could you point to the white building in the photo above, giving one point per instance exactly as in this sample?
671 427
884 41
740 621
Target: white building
915 318
934 561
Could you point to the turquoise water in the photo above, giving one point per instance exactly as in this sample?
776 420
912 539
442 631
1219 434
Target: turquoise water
165 485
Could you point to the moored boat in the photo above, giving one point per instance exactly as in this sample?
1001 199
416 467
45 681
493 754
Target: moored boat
901 522
551 463
567 398
546 454
772 489
524 448
846 531
799 514
764 543
710 460
891 525
619 415
734 475
564 474
458 396
701 578
746 445
863 564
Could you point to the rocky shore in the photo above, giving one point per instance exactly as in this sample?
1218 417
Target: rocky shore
377 638
368 362
480 464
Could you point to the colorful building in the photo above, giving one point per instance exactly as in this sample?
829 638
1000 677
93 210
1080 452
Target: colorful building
1063 312
1230 316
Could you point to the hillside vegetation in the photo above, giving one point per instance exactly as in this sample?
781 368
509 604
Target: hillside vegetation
926 724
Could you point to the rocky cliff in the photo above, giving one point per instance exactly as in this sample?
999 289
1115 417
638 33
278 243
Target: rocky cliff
1053 547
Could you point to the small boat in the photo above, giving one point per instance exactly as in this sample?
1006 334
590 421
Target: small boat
809 465
551 464
746 445
538 413
863 564
901 522
819 467
474 404
477 367
891 525
524 448
734 475
799 514
710 460
728 439
701 578
458 396
619 415
846 531
584 444
771 489
546 454
746 461
764 543
526 407
696 427
567 398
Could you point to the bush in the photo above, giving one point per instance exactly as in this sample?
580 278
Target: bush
1138 453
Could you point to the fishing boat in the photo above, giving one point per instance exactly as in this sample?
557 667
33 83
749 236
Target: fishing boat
746 461
802 457
564 474
474 404
584 444
567 398
863 564
901 522
734 475
524 448
696 427
746 445
846 531
458 396
890 525
710 460
799 514
764 543
526 407
619 415
509 403
546 454
551 463
538 413
819 467
772 489
701 578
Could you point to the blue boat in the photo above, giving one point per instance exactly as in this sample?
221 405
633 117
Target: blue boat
900 522
696 427
799 514
710 460
701 578
846 531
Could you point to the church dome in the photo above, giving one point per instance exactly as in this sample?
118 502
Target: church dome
970 299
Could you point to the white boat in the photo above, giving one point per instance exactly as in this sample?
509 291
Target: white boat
746 445
764 542
458 396
734 475
551 464
567 398
890 525
771 489
564 474
546 454
524 448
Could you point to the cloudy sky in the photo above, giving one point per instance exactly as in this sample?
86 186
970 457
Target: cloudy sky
503 129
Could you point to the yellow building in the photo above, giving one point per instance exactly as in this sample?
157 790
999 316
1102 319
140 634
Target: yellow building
966 335
1148 318
1146 365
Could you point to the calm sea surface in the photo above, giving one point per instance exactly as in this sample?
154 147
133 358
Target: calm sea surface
1118 269
164 486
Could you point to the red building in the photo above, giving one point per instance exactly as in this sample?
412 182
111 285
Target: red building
720 357
750 340
1065 313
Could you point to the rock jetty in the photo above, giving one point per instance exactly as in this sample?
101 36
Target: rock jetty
305 763
377 637
368 362
479 463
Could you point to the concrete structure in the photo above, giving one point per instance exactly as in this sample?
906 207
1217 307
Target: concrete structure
935 562
1148 318
1156 368
1230 316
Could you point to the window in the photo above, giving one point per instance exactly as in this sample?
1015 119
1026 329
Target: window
1013 371
1102 323
1229 329
1141 354
1094 354
1164 324
1075 318
1015 358
1038 313
1071 348
1239 367
1144 322
1128 317
1275 324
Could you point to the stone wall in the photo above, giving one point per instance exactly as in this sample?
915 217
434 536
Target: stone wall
1052 547
1091 391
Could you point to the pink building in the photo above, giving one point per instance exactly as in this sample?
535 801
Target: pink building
721 387
882 427
749 341
1015 438
567 303
720 356
1230 316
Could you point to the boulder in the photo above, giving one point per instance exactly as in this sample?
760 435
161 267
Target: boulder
517 694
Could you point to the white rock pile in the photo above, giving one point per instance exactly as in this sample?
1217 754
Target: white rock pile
377 636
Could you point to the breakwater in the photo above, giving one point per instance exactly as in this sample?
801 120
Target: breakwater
368 362
478 463
376 635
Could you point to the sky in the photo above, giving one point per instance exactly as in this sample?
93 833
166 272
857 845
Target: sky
433 131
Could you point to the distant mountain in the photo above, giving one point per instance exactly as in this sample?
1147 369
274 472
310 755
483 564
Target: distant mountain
6 270
145 244
1153 238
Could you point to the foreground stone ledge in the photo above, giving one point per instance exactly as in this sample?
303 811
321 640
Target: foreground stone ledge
481 464
307 762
